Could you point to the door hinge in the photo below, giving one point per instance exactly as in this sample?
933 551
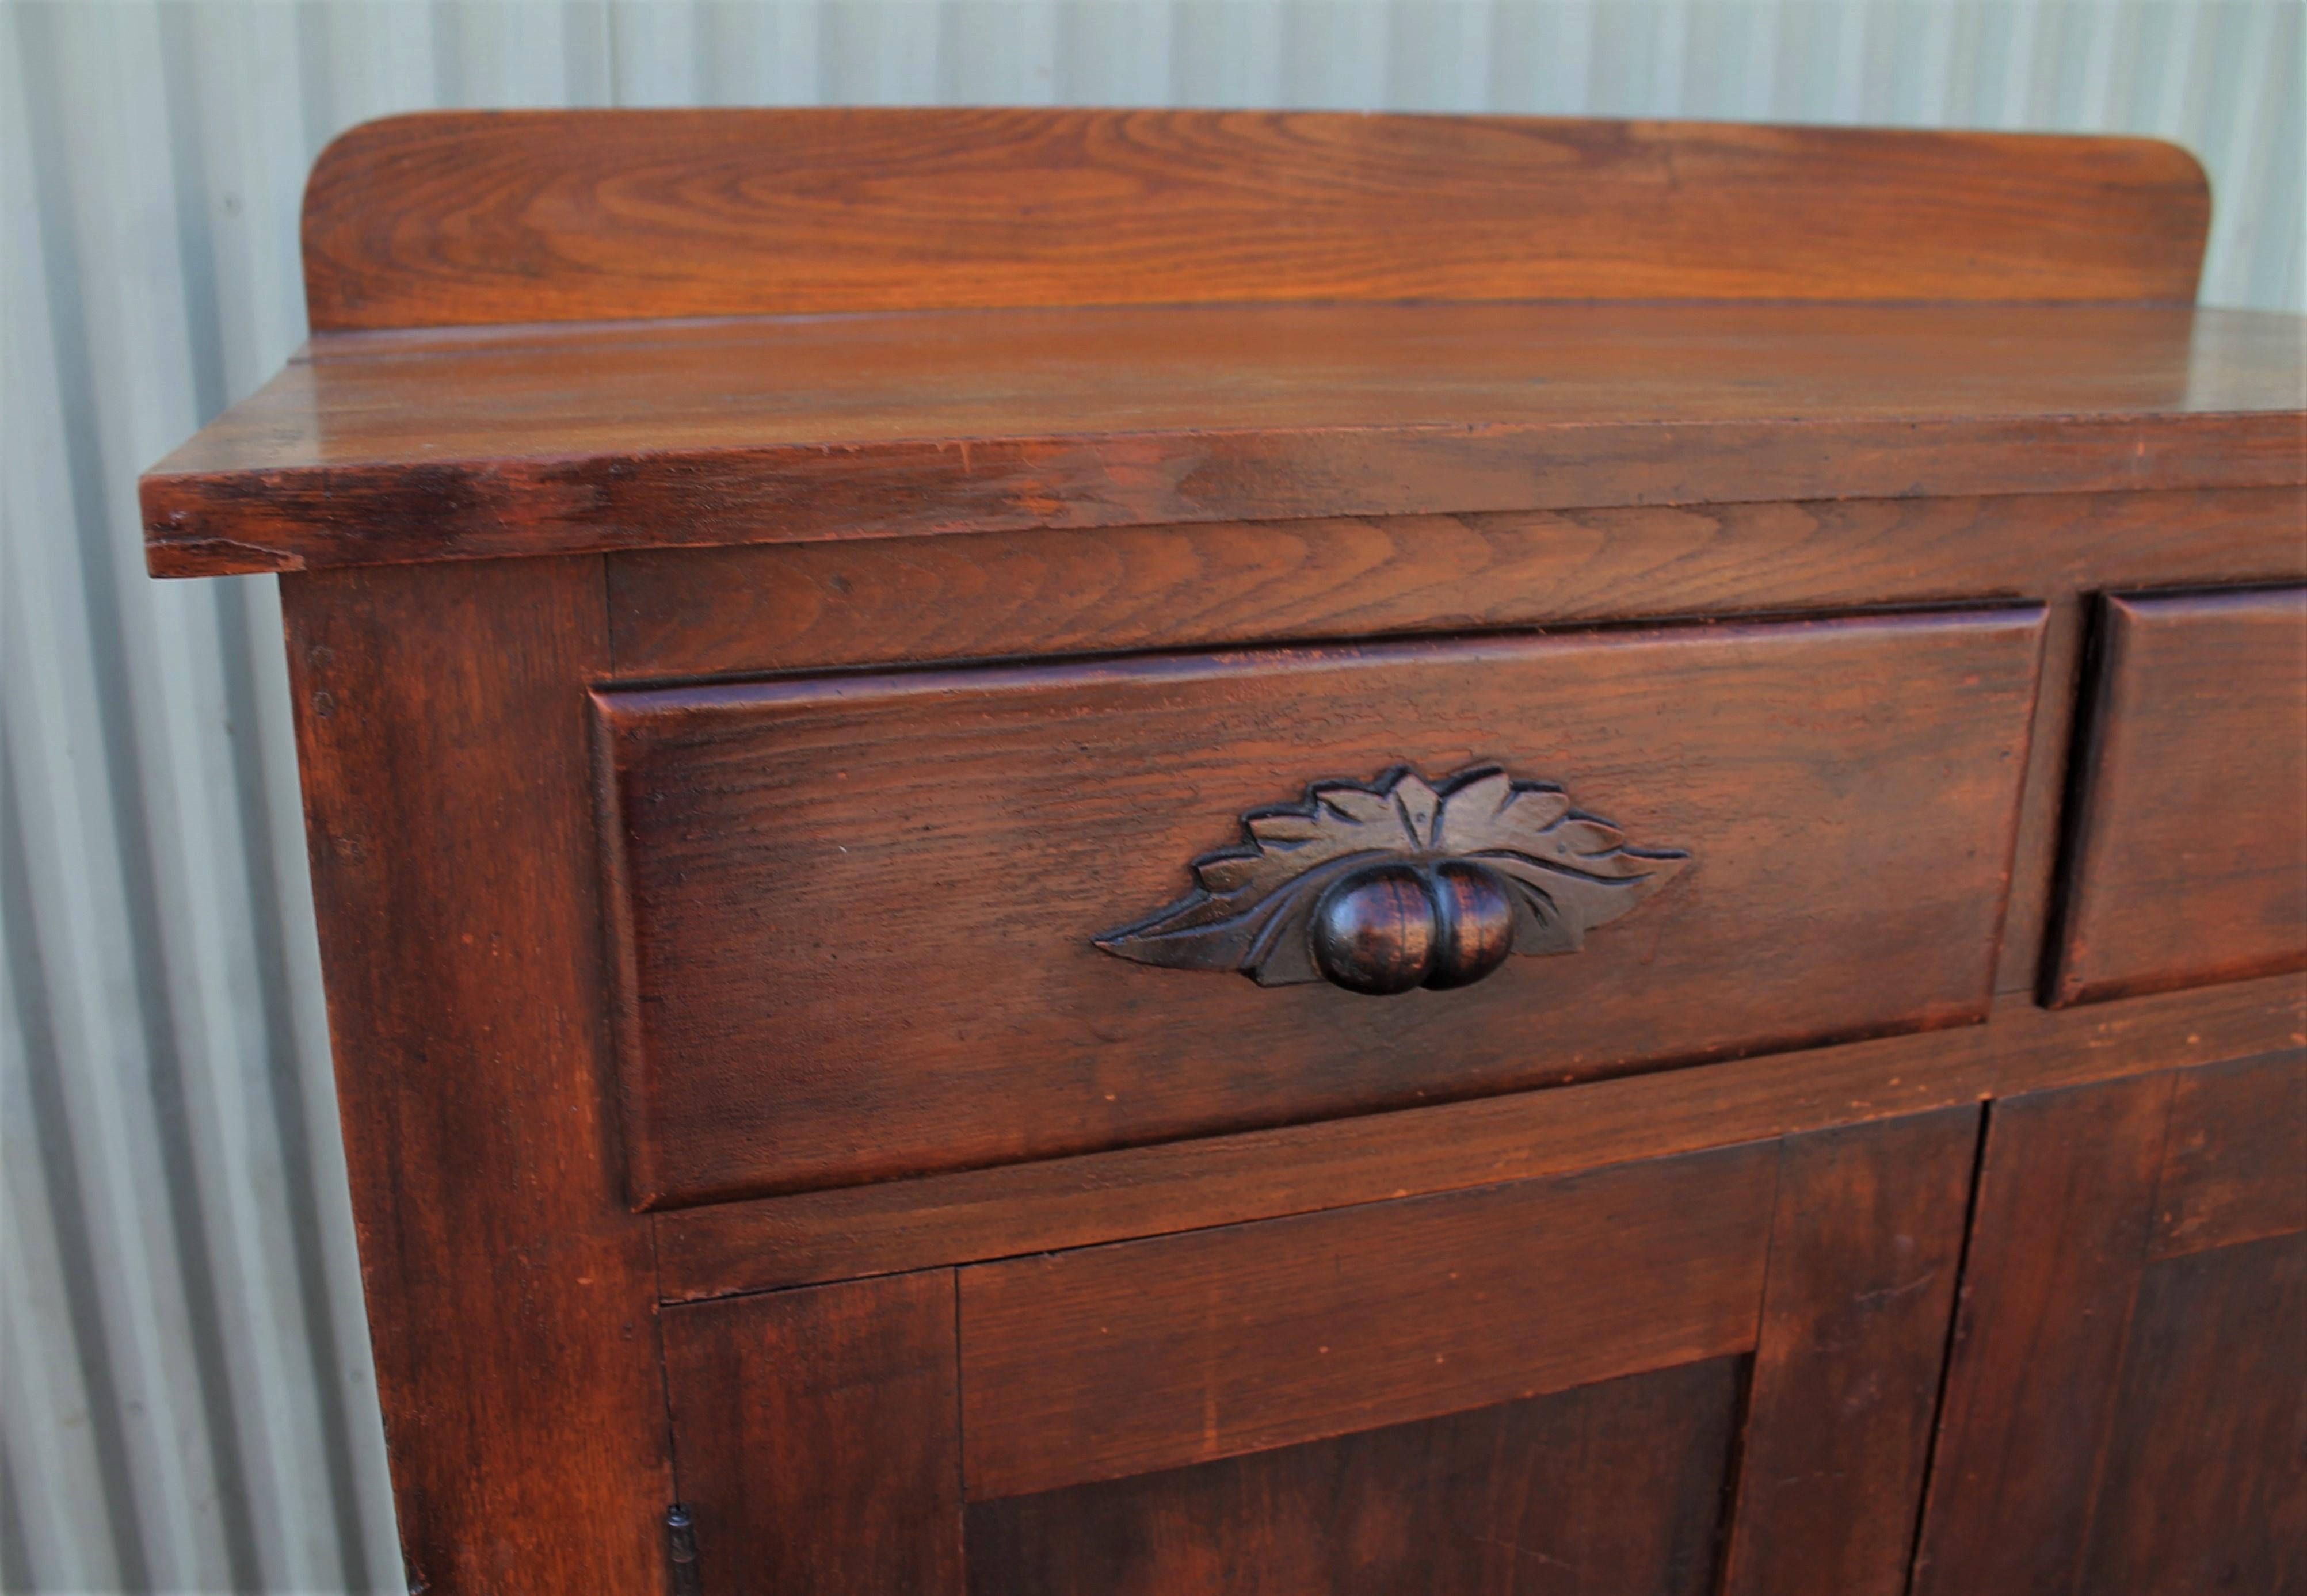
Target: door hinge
681 1551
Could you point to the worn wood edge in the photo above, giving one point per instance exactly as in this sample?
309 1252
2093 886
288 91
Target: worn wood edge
983 1215
215 523
381 165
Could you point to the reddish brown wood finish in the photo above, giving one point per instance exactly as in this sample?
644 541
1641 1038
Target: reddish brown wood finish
461 445
1156 1354
1104 1196
819 1450
1866 1246
461 218
1202 1379
2122 1415
2235 1158
439 720
1846 791
1615 1487
2204 1487
800 606
2190 862
2065 1192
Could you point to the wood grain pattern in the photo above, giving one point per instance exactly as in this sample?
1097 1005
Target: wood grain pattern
1847 789
1156 1354
440 722
2188 861
450 218
1106 1197
2066 1190
386 448
2234 1157
2126 1408
1616 1487
818 1442
2204 1487
800 606
1866 1246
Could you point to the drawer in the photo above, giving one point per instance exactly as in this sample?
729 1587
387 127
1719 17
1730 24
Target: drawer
2187 859
861 917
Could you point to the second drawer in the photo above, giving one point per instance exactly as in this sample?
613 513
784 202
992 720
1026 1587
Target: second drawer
859 916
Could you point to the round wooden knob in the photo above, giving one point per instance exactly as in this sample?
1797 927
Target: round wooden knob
1395 927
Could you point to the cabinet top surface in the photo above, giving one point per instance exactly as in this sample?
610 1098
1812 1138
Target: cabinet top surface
549 333
383 448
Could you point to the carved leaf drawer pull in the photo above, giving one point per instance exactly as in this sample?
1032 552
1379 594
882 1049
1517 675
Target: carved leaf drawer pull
1401 884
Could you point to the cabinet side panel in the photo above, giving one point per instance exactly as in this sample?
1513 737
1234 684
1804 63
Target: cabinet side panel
441 722
1864 1249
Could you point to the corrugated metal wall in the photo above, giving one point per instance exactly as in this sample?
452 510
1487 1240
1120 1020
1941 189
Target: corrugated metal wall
186 1402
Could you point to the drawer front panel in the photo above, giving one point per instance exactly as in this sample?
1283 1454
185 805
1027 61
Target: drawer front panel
2188 855
859 914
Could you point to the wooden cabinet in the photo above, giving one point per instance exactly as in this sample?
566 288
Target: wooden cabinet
1069 853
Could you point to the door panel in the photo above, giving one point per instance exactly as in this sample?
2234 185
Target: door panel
2206 1484
2126 1409
1615 1487
1146 1355
1610 1381
1865 1249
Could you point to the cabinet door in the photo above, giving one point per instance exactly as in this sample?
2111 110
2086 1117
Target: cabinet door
1709 1372
2126 1405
